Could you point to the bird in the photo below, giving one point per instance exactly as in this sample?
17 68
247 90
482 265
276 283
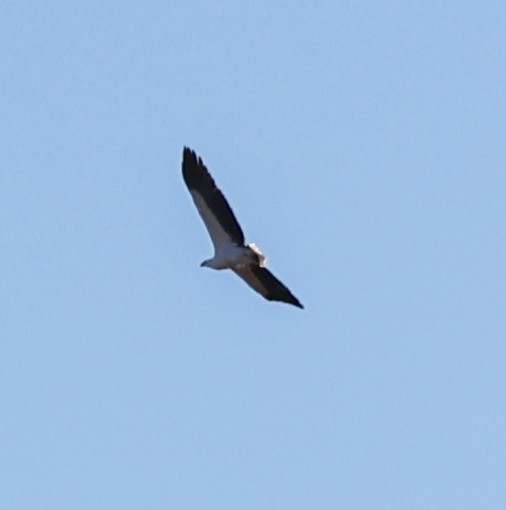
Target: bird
230 250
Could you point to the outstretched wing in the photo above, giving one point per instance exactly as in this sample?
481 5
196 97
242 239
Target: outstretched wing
266 284
212 206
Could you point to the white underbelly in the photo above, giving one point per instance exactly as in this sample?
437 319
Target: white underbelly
232 256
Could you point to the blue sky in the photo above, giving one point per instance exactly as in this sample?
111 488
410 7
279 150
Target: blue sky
361 145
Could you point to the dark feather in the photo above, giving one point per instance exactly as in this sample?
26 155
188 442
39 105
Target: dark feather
266 284
198 179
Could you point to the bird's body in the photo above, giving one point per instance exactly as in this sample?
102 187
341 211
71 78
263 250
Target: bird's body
230 251
230 256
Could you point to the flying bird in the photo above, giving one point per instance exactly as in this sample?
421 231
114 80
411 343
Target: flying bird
226 234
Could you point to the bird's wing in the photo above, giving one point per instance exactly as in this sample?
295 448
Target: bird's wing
212 206
266 284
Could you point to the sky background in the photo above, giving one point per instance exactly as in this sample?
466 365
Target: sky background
362 147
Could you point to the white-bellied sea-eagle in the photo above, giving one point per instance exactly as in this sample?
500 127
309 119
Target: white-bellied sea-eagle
230 252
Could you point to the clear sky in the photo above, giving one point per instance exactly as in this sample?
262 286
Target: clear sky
362 146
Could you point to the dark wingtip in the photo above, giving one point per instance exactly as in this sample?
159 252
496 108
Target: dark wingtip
190 156
288 299
297 303
194 171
